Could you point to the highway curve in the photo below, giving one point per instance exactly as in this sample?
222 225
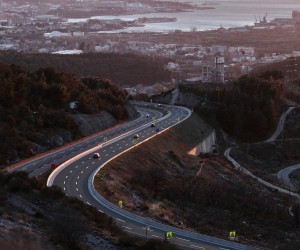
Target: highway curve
76 176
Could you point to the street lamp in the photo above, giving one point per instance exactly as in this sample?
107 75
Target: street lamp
218 89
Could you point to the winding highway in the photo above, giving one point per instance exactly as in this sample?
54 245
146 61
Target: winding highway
75 175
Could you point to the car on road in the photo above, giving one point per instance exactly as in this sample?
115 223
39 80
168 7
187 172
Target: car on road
147 115
136 136
96 155
153 125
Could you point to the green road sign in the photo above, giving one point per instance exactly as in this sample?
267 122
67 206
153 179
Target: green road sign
232 235
120 204
168 235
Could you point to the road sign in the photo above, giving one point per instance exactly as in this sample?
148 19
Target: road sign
120 204
168 235
232 235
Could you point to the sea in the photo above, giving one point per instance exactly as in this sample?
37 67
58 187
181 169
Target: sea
225 13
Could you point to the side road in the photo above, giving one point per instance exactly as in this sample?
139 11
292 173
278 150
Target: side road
271 139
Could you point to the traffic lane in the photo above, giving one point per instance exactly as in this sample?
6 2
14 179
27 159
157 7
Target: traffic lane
70 151
114 148
69 154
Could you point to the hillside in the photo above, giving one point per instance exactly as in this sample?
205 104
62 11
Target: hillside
36 217
35 111
201 194
121 69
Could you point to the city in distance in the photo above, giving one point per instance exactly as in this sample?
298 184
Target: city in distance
150 124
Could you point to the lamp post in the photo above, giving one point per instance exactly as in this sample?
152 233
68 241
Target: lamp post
218 89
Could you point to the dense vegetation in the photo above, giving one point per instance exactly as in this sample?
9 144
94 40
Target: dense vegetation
121 69
35 103
249 107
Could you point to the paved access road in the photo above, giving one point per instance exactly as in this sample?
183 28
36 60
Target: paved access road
76 177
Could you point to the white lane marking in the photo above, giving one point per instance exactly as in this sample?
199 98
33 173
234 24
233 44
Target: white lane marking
64 188
182 239
90 158
113 151
66 177
222 248
127 227
77 189
100 211
156 236
93 162
104 151
76 167
77 177
76 182
197 247
64 182
87 167
88 203
71 171
120 220
82 171
80 196
82 162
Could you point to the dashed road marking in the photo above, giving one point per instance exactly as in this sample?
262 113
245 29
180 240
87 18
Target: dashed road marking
120 220
182 239
197 247
156 236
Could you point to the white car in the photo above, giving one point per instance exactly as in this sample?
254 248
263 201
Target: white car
136 136
147 115
96 155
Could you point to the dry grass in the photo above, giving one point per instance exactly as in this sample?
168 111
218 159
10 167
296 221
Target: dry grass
233 200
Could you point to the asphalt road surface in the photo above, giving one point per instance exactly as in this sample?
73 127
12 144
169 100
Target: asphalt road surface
78 168
76 179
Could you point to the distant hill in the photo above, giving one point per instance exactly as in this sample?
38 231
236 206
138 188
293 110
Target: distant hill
121 69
